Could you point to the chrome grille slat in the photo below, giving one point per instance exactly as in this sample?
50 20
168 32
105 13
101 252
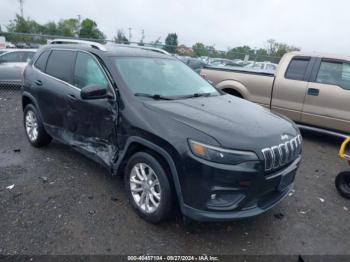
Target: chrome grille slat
282 154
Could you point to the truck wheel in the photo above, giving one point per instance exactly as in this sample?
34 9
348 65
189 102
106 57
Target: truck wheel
342 183
34 127
148 188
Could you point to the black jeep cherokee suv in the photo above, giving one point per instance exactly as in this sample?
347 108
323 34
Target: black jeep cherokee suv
173 136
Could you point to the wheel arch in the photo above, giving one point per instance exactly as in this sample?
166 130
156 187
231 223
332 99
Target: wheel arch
234 87
136 144
27 99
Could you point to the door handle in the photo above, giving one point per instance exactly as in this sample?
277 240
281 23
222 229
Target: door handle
38 82
313 92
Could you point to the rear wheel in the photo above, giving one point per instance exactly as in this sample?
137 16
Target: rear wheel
34 128
342 183
148 187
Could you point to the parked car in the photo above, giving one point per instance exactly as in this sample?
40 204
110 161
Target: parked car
224 62
195 63
263 66
311 89
173 136
12 64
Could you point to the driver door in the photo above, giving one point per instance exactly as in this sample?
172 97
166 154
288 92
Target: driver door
93 123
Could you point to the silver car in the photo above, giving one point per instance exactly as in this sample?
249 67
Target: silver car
12 64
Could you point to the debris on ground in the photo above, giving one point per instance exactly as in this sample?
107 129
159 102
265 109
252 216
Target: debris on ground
10 186
44 178
16 150
304 212
278 215
345 208
321 199
91 197
291 192
91 212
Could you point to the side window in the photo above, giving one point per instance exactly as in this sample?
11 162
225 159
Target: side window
334 73
270 67
12 57
41 61
297 68
60 64
27 56
88 72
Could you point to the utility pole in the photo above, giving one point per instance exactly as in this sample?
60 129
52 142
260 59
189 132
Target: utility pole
142 36
130 34
21 6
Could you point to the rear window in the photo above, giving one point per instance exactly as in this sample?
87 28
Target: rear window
41 61
60 64
297 68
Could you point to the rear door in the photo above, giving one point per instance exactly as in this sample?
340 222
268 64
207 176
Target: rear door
327 102
290 87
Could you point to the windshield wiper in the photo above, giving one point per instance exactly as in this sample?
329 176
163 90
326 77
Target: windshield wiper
154 96
197 95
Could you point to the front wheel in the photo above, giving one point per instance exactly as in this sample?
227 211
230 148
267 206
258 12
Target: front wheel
148 187
342 183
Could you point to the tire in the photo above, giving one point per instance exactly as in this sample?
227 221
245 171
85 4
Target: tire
141 192
37 136
342 183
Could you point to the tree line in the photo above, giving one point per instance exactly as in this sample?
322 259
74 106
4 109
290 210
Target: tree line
88 29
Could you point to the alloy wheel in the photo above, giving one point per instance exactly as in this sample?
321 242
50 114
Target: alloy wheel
31 122
145 187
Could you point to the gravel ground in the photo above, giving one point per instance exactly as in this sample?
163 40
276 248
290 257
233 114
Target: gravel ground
63 203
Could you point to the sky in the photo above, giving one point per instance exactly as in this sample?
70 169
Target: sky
312 25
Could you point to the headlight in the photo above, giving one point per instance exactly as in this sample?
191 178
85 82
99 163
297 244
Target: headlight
220 155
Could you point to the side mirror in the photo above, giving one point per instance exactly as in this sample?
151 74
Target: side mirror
93 92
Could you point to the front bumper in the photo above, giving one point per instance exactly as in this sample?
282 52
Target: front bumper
217 194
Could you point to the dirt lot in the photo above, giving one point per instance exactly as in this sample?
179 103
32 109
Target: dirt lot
63 203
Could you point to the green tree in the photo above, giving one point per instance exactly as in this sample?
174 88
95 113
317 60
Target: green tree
275 48
69 27
89 29
121 38
171 43
22 25
199 49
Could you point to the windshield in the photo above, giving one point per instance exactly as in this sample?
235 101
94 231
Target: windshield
160 76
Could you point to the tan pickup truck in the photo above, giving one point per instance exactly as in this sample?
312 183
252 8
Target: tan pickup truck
312 89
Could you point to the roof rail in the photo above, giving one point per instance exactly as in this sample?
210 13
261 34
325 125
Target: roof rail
154 49
80 42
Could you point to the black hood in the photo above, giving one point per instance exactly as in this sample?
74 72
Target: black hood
235 123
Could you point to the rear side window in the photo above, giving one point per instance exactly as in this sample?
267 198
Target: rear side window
297 68
334 73
60 64
88 72
41 61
